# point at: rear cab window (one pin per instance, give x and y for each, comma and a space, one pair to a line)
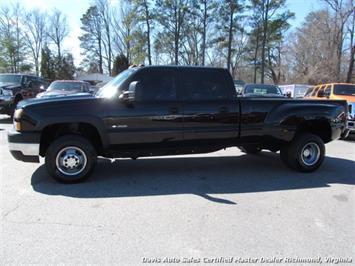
204, 85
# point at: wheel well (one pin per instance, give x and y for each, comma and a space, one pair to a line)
18, 98
320, 128
52, 132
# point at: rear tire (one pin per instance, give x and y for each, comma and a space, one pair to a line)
304, 154
70, 159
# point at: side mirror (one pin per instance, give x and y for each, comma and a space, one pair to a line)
42, 89
288, 94
129, 95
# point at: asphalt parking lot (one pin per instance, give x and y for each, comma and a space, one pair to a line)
199, 208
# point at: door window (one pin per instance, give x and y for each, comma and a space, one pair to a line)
315, 91
327, 91
320, 91
203, 85
309, 92
156, 85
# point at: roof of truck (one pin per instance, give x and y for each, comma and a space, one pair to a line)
178, 66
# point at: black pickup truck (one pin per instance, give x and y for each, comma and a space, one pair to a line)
17, 87
168, 110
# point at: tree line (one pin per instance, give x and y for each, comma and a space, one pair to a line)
31, 41
251, 38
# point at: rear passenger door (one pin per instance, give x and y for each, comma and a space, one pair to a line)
210, 107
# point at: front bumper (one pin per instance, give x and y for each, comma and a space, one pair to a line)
24, 146
351, 118
351, 126
6, 102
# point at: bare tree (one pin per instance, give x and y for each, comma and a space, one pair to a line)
351, 29
35, 34
145, 14
58, 29
239, 48
171, 16
123, 26
342, 10
92, 40
310, 50
12, 48
204, 10
104, 11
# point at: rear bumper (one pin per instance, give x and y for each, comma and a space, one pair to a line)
24, 146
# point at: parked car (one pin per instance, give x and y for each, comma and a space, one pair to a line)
295, 90
265, 90
239, 85
66, 87
93, 89
336, 91
166, 110
16, 87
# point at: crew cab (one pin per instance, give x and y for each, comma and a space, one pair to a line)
17, 87
169, 110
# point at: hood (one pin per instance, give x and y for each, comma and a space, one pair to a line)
8, 85
66, 99
60, 93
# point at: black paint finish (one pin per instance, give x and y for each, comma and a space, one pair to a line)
181, 123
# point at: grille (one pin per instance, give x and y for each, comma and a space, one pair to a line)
351, 110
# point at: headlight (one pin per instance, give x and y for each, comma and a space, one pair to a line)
18, 113
7, 92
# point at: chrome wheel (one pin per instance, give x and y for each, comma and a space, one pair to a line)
71, 161
310, 154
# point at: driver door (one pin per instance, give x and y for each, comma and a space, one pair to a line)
154, 119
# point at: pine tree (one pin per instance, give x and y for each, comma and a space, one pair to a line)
47, 64
119, 64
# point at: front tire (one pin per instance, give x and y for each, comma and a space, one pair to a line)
70, 159
304, 154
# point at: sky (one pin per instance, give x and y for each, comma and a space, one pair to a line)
74, 9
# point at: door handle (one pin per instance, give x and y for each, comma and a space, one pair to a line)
174, 110
223, 109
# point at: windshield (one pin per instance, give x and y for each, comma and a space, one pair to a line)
262, 89
10, 78
110, 89
65, 86
344, 89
